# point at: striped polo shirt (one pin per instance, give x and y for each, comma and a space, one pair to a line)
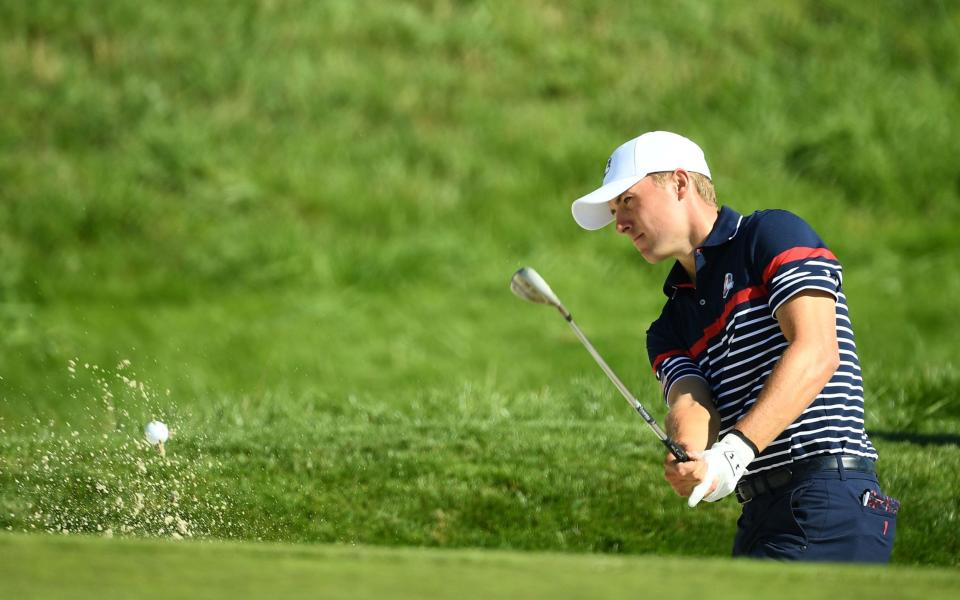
724, 330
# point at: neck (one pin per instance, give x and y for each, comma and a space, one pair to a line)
689, 265
702, 220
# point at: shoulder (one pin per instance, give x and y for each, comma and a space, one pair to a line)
773, 221
668, 327
777, 230
664, 321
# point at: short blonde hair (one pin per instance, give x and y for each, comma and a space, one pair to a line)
701, 182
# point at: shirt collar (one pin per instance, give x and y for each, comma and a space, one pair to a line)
724, 229
677, 279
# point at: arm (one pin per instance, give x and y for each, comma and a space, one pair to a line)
693, 421
808, 321
803, 278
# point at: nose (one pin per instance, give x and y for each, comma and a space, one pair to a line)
623, 226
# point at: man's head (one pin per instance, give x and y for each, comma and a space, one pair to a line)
657, 188
654, 152
661, 212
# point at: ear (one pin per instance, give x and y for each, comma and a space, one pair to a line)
682, 179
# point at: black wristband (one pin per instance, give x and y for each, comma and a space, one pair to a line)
746, 441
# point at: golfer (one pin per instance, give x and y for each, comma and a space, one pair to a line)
755, 353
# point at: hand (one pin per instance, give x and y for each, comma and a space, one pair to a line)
726, 462
684, 476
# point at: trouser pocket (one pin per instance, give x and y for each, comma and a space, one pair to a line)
846, 520
820, 519
878, 524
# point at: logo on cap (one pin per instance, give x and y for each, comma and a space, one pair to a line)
607, 169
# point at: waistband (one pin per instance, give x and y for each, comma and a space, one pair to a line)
769, 481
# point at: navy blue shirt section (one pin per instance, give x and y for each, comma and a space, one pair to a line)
724, 330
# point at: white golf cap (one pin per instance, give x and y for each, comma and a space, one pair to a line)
652, 152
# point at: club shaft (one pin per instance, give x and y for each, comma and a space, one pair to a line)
669, 443
616, 381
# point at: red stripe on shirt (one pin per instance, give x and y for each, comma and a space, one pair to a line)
717, 326
797, 253
793, 254
662, 357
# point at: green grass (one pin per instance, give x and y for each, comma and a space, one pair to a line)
298, 220
93, 568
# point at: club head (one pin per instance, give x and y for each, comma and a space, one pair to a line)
530, 286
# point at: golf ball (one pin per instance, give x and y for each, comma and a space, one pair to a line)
156, 432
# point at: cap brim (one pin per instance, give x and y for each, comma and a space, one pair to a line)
591, 211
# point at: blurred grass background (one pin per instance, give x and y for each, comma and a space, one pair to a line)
300, 218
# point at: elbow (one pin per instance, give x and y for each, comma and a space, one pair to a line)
829, 360
834, 354
820, 360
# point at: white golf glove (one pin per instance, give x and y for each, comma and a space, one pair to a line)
726, 461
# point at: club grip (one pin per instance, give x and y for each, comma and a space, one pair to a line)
676, 450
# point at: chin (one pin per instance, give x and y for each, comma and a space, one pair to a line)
651, 257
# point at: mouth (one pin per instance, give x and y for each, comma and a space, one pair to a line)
637, 237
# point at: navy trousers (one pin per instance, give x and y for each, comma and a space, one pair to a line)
822, 517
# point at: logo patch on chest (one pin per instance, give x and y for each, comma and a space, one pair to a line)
727, 284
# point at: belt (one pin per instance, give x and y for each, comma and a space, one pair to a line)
769, 481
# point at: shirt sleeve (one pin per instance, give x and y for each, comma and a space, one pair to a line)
669, 357
793, 258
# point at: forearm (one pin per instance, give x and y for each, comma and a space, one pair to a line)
802, 371
692, 421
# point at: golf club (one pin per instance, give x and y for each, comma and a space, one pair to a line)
530, 286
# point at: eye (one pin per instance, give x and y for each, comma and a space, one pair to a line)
626, 201
613, 211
